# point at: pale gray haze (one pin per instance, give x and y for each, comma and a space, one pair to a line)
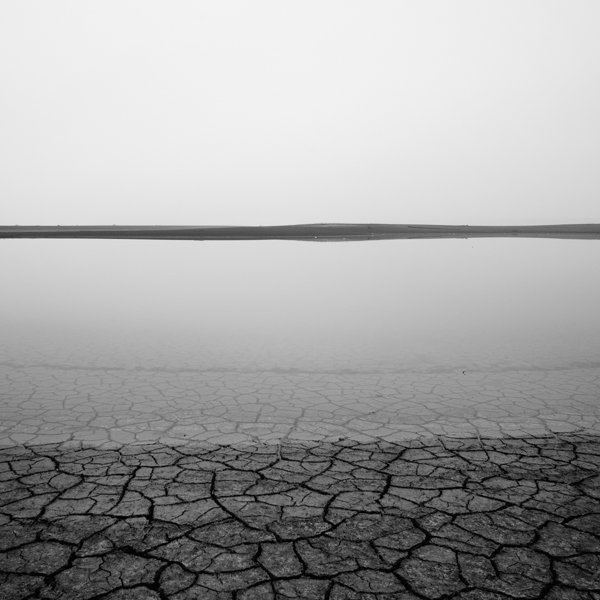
269, 112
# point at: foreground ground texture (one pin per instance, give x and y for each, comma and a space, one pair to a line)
471, 519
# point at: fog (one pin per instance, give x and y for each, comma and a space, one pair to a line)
422, 295
235, 113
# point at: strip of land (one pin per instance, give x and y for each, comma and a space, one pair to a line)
319, 232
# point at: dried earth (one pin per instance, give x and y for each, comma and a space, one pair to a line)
136, 473
471, 519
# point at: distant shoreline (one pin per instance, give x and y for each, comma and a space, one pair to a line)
318, 232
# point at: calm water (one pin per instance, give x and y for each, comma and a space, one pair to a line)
130, 341
137, 387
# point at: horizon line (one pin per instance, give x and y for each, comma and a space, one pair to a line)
320, 232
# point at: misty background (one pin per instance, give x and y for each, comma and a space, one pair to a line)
266, 113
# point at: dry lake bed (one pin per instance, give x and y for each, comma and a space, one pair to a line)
132, 472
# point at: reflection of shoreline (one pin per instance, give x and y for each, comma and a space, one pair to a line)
326, 232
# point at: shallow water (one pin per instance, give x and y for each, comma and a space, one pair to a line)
110, 389
117, 342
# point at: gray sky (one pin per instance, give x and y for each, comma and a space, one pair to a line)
269, 112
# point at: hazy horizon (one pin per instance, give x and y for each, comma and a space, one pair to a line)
270, 113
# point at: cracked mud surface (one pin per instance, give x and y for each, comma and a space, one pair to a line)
484, 519
110, 407
137, 473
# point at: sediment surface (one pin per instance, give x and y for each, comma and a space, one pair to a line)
109, 407
446, 518
139, 475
